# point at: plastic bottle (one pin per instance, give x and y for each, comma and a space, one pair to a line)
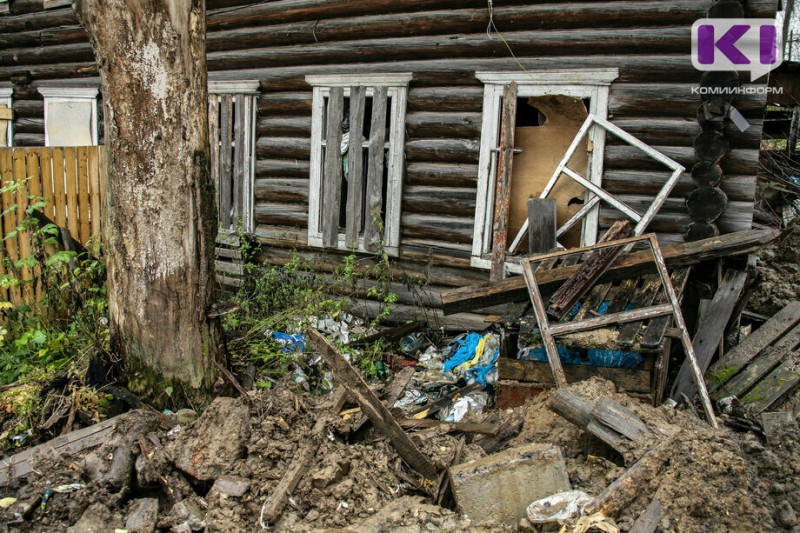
411, 342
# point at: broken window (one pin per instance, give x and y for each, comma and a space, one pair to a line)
357, 142
549, 109
232, 133
6, 116
70, 116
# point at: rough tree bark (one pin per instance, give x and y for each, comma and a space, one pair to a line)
160, 210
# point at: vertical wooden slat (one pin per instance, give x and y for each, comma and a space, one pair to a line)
23, 237
332, 172
502, 195
225, 161
35, 191
375, 159
70, 170
213, 138
355, 167
59, 190
9, 222
94, 191
46, 168
101, 161
240, 160
83, 193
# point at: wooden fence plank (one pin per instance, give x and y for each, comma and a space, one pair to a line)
377, 140
101, 160
5, 222
226, 134
46, 168
83, 194
95, 214
59, 190
70, 169
355, 167
240, 160
23, 237
35, 191
332, 171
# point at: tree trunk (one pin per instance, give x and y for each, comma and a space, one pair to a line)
161, 219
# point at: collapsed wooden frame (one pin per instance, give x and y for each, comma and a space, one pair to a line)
595, 193
672, 308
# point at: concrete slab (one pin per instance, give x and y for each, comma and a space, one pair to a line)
501, 486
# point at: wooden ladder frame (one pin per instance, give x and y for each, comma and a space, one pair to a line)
595, 193
548, 331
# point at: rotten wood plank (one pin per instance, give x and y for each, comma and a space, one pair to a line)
589, 271
542, 225
653, 335
635, 263
372, 406
355, 167
649, 519
711, 330
502, 196
464, 427
375, 162
399, 384
332, 172
629, 380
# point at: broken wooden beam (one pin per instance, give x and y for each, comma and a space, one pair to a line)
483, 428
634, 263
711, 331
398, 387
371, 405
589, 271
502, 193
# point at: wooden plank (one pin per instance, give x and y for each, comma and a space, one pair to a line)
35, 191
483, 428
629, 380
240, 163
83, 195
213, 138
544, 329
589, 271
93, 171
9, 222
332, 171
101, 158
380, 416
396, 390
355, 167
46, 168
225, 161
740, 356
653, 335
775, 386
592, 301
712, 328
23, 237
619, 418
59, 190
542, 221
634, 263
502, 195
759, 366
375, 159
71, 170
649, 519
614, 318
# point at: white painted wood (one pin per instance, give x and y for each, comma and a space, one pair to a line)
582, 212
398, 79
6, 94
69, 92
233, 87
608, 197
55, 95
587, 83
397, 92
49, 4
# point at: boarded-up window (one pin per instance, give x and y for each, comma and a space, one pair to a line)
357, 142
70, 116
231, 129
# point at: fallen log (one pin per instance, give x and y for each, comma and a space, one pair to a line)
635, 263
371, 405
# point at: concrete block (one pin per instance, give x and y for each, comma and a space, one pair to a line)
501, 486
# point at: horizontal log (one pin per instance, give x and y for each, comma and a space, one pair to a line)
435, 200
285, 103
441, 174
50, 36
446, 99
50, 18
680, 131
283, 148
514, 289
673, 216
436, 124
291, 126
281, 214
737, 187
62, 53
293, 190
666, 99
28, 139
443, 150
447, 228
279, 169
439, 22
52, 71
538, 43
739, 161
433, 318
29, 125
28, 109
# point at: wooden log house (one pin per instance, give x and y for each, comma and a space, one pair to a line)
410, 91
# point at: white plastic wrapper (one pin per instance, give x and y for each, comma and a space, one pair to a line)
560, 506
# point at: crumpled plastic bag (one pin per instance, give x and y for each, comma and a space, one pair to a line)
559, 506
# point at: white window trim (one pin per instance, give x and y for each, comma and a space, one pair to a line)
233, 87
590, 83
397, 89
6, 94
71, 94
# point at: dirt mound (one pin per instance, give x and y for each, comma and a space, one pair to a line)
779, 273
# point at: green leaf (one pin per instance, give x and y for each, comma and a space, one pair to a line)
168, 391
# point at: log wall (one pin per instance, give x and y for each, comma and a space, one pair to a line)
442, 43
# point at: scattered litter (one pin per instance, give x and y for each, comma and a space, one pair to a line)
411, 343
474, 401
560, 506
290, 343
411, 397
5, 503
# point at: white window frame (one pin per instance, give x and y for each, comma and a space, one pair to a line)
6, 94
588, 83
69, 95
248, 88
397, 90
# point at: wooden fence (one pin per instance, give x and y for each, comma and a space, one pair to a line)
72, 183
